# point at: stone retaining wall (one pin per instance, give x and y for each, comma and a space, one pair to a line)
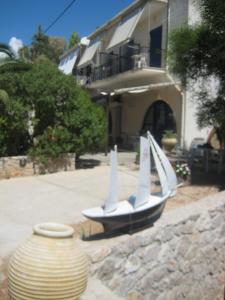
181, 257
16, 166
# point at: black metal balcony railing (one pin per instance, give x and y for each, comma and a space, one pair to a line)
137, 58
119, 64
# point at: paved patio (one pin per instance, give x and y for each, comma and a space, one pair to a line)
57, 197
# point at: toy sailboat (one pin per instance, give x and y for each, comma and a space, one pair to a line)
146, 205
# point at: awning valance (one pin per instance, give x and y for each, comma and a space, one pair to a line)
126, 28
89, 53
67, 62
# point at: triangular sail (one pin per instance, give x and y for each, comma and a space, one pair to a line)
159, 168
170, 173
144, 173
112, 200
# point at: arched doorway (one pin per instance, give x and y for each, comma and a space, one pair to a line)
159, 118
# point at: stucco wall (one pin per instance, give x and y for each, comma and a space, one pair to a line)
178, 13
181, 257
136, 106
194, 15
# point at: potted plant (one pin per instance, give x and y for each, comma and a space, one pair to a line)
183, 172
169, 140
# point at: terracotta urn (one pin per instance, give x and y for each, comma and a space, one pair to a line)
49, 265
169, 143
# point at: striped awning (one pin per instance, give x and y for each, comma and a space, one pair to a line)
67, 62
89, 53
126, 28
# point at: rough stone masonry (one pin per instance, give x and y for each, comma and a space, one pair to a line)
181, 257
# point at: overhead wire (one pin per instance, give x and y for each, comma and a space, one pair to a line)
60, 15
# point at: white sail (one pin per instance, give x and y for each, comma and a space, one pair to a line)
170, 173
144, 173
161, 172
112, 200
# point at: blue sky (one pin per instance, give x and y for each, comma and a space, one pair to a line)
20, 18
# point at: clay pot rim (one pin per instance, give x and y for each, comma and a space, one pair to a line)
54, 230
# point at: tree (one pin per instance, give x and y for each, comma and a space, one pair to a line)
43, 46
199, 52
58, 44
25, 53
65, 118
62, 117
14, 110
74, 39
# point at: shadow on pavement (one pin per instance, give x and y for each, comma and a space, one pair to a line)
87, 163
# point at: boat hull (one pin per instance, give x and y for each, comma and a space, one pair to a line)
131, 219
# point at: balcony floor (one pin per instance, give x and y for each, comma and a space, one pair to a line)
132, 78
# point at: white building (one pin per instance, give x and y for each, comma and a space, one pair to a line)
125, 63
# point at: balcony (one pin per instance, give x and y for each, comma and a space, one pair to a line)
119, 71
117, 64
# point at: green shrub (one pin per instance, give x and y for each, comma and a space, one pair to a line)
61, 115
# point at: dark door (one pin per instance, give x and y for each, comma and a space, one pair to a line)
156, 47
159, 118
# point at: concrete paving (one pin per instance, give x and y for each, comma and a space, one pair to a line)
59, 197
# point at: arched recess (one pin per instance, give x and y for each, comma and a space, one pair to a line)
158, 118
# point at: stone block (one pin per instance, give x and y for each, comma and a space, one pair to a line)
217, 221
166, 234
172, 265
185, 267
204, 223
134, 295
183, 245
107, 269
132, 265
151, 253
187, 228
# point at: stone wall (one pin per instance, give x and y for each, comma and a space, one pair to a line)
16, 166
181, 257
